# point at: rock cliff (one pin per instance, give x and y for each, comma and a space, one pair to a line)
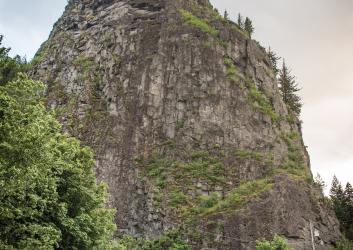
190, 131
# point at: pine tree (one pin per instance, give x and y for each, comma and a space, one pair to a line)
248, 27
240, 21
342, 203
289, 89
274, 60
319, 182
226, 15
348, 202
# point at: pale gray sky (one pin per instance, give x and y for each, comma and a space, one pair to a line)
315, 37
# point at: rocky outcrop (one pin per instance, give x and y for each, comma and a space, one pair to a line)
187, 122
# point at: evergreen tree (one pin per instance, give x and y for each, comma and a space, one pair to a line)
319, 182
9, 67
240, 21
289, 89
342, 202
226, 15
248, 27
348, 202
274, 60
49, 197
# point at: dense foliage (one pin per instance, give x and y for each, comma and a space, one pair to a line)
9, 67
278, 243
342, 202
49, 197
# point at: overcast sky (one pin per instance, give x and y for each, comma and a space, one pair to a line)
315, 37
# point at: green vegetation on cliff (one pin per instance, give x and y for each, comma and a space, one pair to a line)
342, 203
170, 241
278, 243
181, 185
49, 196
9, 67
199, 23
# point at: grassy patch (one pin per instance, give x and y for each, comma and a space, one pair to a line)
242, 154
41, 54
237, 29
199, 23
85, 63
260, 102
235, 200
179, 184
231, 70
295, 164
177, 180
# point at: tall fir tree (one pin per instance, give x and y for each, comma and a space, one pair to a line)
348, 196
342, 203
274, 60
240, 21
248, 27
289, 89
226, 15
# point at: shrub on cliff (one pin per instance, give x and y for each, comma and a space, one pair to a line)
278, 243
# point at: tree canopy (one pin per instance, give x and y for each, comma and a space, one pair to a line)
342, 202
49, 196
9, 67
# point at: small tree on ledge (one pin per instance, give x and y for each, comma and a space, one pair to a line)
248, 27
289, 89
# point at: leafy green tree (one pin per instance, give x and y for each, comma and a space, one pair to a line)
9, 67
248, 27
278, 243
49, 197
289, 89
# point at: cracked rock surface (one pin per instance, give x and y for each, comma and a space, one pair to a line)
135, 79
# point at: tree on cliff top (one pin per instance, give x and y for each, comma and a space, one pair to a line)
49, 197
248, 27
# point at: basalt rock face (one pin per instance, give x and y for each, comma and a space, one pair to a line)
189, 129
